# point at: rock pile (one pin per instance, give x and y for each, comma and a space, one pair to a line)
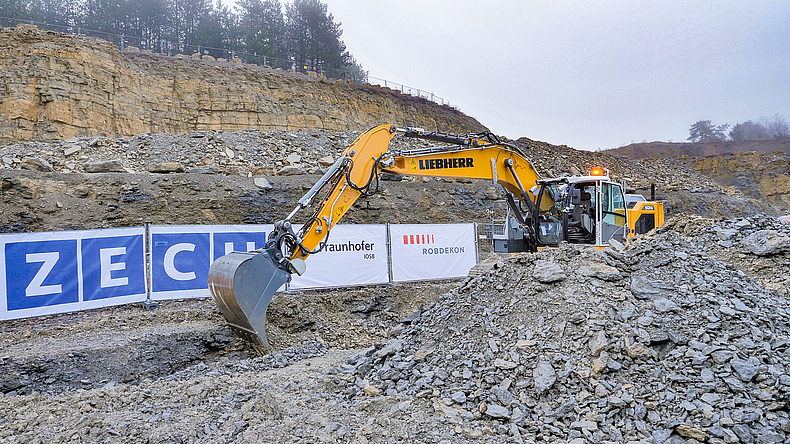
654, 342
248, 152
280, 152
757, 245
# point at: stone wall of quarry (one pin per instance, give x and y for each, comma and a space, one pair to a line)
760, 176
56, 86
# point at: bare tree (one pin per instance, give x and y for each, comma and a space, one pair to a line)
776, 126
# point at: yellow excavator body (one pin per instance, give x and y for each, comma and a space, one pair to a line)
588, 210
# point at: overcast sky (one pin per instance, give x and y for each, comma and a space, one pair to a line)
586, 73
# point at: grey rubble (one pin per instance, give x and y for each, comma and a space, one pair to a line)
758, 246
267, 152
683, 348
687, 345
234, 153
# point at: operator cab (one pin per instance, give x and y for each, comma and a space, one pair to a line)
579, 210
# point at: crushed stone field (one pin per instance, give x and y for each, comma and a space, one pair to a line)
679, 336
178, 374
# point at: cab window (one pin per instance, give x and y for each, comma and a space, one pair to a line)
613, 205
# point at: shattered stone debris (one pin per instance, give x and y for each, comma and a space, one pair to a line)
668, 345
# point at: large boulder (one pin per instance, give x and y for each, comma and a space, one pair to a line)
107, 166
766, 243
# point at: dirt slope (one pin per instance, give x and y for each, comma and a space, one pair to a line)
674, 149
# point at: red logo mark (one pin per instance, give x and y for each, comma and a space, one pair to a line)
418, 239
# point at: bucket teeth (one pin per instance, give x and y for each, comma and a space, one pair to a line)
242, 285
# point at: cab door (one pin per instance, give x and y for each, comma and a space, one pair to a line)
612, 215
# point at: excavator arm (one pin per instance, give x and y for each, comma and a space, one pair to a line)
243, 284
357, 170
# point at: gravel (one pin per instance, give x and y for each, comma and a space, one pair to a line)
667, 345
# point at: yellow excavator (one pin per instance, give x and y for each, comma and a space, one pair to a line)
588, 210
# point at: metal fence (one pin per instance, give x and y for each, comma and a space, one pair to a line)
409, 90
169, 48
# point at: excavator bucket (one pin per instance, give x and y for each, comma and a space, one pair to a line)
242, 285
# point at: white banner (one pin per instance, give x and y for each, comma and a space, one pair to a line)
181, 255
432, 251
354, 255
48, 273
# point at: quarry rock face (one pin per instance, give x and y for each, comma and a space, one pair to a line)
752, 173
681, 335
57, 86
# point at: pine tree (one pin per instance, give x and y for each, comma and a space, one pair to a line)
217, 30
314, 37
13, 9
263, 29
306, 37
102, 15
186, 16
704, 131
60, 13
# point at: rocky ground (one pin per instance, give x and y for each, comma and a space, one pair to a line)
654, 342
665, 340
679, 336
755, 245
